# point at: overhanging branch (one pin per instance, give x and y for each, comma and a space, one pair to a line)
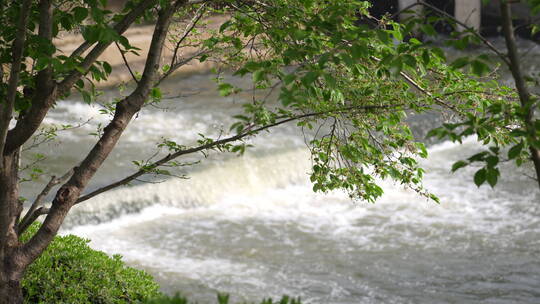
246, 133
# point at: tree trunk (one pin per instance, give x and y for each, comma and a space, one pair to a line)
11, 262
527, 103
10, 290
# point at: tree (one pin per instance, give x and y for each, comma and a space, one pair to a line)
358, 83
515, 119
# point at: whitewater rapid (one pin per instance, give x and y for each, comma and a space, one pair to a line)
252, 226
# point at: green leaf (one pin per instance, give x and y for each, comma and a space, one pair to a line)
259, 76
86, 97
492, 161
289, 78
425, 57
80, 13
155, 93
492, 176
458, 165
428, 29
359, 51
460, 62
225, 89
479, 68
309, 78
515, 150
107, 67
225, 25
480, 177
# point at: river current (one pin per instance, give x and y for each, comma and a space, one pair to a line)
252, 227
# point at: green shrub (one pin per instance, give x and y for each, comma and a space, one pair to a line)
70, 272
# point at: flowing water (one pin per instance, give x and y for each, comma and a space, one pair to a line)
251, 226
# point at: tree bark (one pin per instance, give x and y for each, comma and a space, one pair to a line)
10, 208
10, 291
68, 194
15, 256
527, 103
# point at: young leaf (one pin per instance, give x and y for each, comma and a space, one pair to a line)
480, 177
458, 165
515, 151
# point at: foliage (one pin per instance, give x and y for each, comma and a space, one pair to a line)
360, 84
354, 85
71, 272
505, 124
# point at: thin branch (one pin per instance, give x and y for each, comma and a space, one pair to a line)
32, 218
464, 25
198, 15
93, 55
423, 90
247, 132
27, 219
503, 57
178, 65
126, 63
120, 27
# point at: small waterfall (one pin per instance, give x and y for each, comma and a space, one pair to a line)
244, 175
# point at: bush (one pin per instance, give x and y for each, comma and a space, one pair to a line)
70, 272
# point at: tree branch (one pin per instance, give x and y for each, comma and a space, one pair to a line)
126, 63
32, 218
120, 27
67, 195
93, 55
189, 28
44, 85
41, 103
423, 90
30, 215
178, 65
527, 103
466, 27
6, 109
247, 132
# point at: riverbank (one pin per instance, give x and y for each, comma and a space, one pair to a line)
140, 37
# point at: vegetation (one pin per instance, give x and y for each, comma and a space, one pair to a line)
69, 271
513, 120
355, 83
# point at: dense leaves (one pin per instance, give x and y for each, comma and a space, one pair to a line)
69, 271
352, 84
357, 85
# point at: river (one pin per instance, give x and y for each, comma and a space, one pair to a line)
252, 227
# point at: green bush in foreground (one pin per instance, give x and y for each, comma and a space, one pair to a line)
70, 272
